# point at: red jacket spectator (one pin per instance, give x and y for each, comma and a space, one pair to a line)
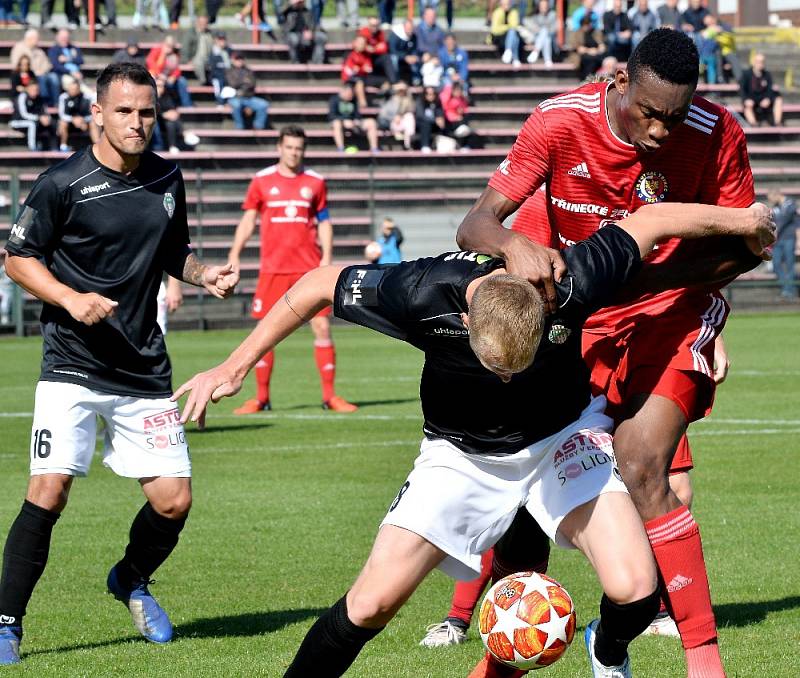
163, 59
376, 40
356, 65
454, 103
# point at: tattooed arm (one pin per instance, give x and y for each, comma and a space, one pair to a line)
218, 280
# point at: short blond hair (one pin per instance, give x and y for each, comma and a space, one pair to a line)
506, 320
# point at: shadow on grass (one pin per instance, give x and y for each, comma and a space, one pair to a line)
246, 624
747, 614
225, 428
360, 403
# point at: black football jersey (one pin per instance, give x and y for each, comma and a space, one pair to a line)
100, 231
421, 302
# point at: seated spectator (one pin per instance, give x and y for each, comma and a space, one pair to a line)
304, 36
49, 82
65, 58
708, 49
164, 59
21, 76
589, 49
607, 69
692, 20
197, 47
669, 16
430, 118
504, 31
130, 53
430, 38
643, 20
168, 133
397, 115
390, 239
31, 117
243, 83
586, 9
729, 65
762, 100
403, 52
346, 120
784, 212
617, 30
431, 71
378, 49
75, 115
541, 33
357, 70
454, 59
434, 4
219, 61
456, 113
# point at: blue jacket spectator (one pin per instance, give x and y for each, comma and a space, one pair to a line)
577, 16
643, 20
453, 57
669, 16
403, 52
430, 38
390, 239
65, 57
784, 211
693, 19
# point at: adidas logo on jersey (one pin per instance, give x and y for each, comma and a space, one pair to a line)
274, 190
679, 582
95, 189
580, 170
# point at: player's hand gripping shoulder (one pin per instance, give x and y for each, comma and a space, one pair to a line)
213, 385
89, 308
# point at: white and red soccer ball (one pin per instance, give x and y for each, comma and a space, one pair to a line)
527, 620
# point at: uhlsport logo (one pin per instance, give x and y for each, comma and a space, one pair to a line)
652, 187
169, 204
86, 190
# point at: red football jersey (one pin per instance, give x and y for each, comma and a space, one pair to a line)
290, 208
593, 177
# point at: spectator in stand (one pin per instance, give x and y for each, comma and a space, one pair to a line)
608, 68
729, 64
431, 71
403, 52
21, 76
430, 38
170, 127
49, 82
75, 115
243, 81
397, 115
65, 58
31, 117
390, 239
246, 15
164, 59
347, 13
669, 16
643, 20
708, 49
304, 36
357, 70
541, 33
378, 49
130, 53
346, 120
158, 14
618, 31
456, 113
762, 100
784, 212
219, 61
454, 59
586, 9
110, 7
434, 5
430, 118
589, 49
197, 45
386, 12
505, 33
692, 20
70, 10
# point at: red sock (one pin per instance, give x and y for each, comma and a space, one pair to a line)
263, 374
325, 357
676, 543
489, 667
466, 594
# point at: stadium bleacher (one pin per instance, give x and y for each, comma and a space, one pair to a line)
363, 187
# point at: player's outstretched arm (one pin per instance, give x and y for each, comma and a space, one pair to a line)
29, 273
482, 231
653, 223
244, 231
313, 292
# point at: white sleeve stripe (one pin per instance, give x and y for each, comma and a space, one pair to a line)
702, 128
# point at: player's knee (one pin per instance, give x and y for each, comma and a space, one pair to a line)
49, 492
371, 608
632, 581
176, 506
643, 461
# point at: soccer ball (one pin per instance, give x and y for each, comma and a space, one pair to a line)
527, 620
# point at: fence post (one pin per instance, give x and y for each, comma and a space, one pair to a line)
91, 17
18, 300
255, 19
201, 320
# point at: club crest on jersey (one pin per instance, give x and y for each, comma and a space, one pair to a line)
558, 333
306, 192
169, 204
652, 187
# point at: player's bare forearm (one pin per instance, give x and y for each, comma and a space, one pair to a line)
30, 274
325, 235
194, 271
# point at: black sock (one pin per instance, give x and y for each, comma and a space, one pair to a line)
455, 621
620, 624
24, 559
152, 539
330, 646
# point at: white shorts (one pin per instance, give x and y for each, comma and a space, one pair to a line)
463, 503
143, 436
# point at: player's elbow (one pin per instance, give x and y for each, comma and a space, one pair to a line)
14, 266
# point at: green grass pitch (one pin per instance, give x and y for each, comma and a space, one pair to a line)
287, 504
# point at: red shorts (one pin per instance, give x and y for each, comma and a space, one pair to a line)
271, 288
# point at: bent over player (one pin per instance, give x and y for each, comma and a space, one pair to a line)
484, 455
604, 150
296, 236
92, 241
